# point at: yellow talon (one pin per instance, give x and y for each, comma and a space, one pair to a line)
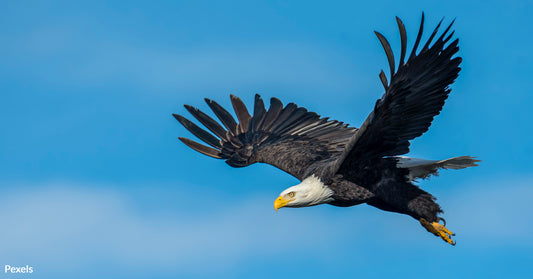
438, 230
443, 228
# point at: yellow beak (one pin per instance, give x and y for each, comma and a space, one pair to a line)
280, 202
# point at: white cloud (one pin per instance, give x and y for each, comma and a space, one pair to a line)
65, 57
230, 67
61, 224
72, 227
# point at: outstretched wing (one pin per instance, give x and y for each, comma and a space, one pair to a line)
289, 138
416, 93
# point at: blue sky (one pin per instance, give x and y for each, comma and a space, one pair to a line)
95, 183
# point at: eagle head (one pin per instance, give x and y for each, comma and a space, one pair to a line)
311, 191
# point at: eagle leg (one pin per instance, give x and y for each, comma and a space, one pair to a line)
438, 230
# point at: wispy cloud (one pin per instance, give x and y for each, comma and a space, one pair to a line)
72, 56
284, 63
68, 226
51, 226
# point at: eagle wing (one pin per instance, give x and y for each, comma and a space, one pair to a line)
287, 137
415, 95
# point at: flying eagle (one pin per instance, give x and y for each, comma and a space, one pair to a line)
342, 165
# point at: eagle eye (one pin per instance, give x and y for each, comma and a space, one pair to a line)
291, 194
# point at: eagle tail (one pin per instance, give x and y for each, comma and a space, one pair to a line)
421, 168
457, 163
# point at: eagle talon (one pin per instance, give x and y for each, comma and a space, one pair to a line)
443, 221
342, 165
438, 230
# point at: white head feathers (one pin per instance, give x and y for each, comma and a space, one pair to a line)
311, 191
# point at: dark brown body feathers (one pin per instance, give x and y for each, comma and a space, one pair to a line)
357, 164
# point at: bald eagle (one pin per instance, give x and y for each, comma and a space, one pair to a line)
342, 165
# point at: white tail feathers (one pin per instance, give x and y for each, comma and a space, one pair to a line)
420, 168
457, 163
